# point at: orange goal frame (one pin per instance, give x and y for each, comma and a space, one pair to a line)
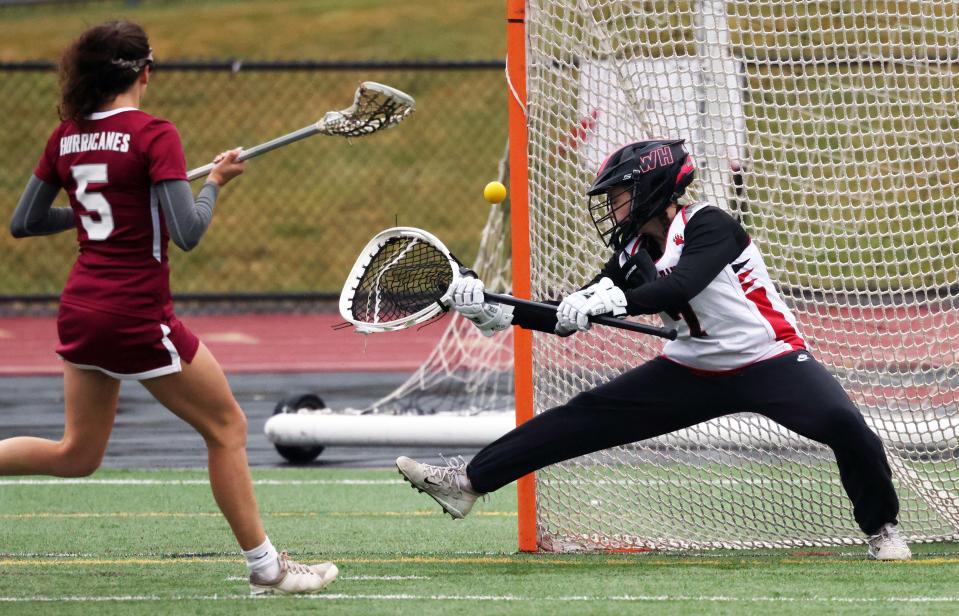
519, 223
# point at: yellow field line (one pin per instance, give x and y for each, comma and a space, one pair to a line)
439, 560
214, 514
508, 598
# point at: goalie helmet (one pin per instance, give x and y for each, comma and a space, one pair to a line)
655, 172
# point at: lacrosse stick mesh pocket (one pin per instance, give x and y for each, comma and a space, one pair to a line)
405, 276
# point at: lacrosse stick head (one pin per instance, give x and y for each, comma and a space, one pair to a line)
398, 281
375, 107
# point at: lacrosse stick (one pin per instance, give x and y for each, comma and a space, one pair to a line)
403, 273
374, 107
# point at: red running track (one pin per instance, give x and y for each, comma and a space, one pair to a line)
246, 343
901, 340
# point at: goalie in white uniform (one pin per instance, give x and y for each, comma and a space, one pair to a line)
738, 348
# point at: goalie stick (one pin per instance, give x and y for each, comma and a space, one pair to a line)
402, 275
375, 107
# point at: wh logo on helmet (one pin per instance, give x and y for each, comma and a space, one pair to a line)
657, 158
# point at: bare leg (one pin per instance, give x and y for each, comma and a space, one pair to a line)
201, 396
90, 408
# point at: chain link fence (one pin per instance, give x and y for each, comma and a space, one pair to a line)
292, 225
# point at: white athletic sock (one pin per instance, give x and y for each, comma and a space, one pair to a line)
463, 482
264, 561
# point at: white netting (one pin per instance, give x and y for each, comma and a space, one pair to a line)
831, 129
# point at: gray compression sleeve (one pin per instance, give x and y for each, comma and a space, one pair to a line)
186, 221
34, 216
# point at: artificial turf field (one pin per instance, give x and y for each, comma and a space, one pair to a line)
126, 542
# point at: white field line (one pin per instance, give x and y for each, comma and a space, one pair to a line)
198, 555
46, 555
353, 578
265, 514
364, 578
689, 482
195, 482
384, 482
493, 598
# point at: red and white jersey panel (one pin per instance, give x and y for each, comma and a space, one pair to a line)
737, 320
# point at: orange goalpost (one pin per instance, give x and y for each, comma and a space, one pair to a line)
519, 221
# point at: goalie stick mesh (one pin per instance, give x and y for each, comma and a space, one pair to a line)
405, 276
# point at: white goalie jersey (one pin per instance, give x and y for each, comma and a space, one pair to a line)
737, 320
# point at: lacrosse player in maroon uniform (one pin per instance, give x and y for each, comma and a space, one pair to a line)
125, 175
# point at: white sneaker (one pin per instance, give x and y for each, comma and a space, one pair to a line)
888, 544
442, 483
295, 578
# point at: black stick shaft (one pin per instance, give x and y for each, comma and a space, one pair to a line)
642, 328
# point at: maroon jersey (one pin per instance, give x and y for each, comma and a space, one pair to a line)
108, 165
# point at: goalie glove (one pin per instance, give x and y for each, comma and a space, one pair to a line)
574, 311
465, 296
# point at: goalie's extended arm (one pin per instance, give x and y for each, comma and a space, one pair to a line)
713, 239
596, 297
465, 296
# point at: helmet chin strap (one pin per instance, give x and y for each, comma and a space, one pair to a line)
663, 221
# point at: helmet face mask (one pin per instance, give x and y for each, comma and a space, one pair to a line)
654, 173
611, 212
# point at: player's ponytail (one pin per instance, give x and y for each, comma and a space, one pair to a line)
104, 61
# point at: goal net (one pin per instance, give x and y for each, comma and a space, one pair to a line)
830, 129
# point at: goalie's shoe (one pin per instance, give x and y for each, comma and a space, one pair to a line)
888, 544
295, 578
442, 483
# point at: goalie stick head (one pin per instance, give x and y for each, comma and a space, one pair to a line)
655, 173
398, 281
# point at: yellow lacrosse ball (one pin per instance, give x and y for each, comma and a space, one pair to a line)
494, 192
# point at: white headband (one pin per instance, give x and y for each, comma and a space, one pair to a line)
134, 65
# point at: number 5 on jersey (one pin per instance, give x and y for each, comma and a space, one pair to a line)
94, 203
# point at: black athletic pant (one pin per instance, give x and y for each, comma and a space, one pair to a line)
659, 397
